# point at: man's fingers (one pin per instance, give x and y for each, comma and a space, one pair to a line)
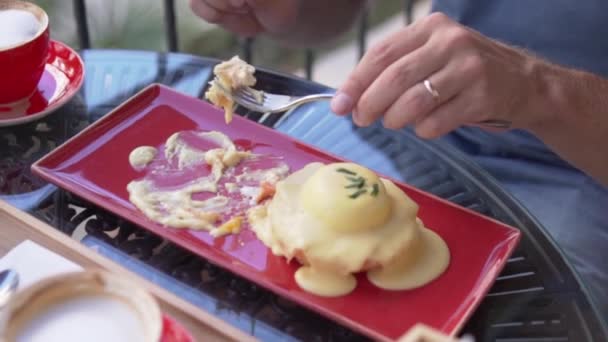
376, 60
396, 80
446, 118
382, 55
244, 25
205, 11
221, 5
411, 107
418, 101
259, 4
277, 16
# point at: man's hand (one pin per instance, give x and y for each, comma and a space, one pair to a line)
478, 79
248, 17
475, 79
296, 23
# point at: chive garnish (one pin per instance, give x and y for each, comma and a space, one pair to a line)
347, 171
358, 182
376, 190
358, 193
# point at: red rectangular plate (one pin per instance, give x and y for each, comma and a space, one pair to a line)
94, 165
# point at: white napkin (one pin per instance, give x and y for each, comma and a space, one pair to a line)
34, 262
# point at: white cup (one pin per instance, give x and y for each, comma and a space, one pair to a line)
87, 306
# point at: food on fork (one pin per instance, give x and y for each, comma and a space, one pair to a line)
340, 219
231, 75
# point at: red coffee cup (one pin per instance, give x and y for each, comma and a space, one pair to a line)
22, 62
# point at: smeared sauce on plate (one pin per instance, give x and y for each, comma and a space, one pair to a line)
186, 186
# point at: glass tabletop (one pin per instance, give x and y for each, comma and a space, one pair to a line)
537, 296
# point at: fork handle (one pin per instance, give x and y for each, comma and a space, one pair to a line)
314, 97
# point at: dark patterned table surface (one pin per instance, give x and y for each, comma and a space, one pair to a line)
536, 298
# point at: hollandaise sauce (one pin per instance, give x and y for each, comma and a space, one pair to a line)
425, 262
341, 219
326, 284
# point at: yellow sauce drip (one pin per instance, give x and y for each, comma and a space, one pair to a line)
422, 264
325, 284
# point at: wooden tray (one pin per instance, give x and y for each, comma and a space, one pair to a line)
17, 226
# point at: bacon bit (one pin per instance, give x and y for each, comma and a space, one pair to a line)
231, 226
208, 216
267, 190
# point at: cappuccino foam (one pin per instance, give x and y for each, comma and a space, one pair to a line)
75, 320
17, 26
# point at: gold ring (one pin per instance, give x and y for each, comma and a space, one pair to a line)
429, 87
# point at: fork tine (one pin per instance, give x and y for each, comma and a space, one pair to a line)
248, 102
260, 101
248, 95
277, 101
237, 96
250, 91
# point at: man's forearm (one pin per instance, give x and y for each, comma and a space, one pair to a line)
319, 22
576, 123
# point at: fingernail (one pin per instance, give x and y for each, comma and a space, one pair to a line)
356, 117
341, 103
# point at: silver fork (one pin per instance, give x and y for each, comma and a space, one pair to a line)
263, 102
